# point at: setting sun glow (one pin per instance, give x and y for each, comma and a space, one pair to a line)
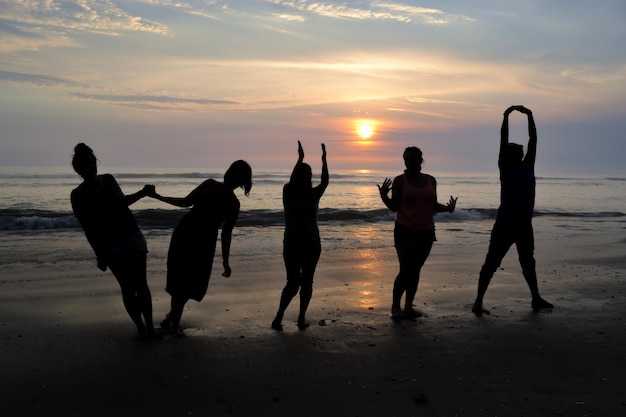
365, 129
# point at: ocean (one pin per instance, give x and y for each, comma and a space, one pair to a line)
35, 201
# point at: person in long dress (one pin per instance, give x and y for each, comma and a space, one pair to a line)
112, 231
193, 243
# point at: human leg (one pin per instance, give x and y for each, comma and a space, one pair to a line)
142, 291
404, 250
525, 250
402, 283
172, 319
422, 248
499, 245
291, 257
311, 257
122, 271
412, 248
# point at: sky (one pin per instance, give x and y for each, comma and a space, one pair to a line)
166, 83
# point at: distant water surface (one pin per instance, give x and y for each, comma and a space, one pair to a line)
35, 203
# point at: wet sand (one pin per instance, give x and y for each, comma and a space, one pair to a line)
68, 347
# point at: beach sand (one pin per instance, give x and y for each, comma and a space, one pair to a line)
69, 349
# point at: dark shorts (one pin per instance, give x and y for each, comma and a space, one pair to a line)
403, 235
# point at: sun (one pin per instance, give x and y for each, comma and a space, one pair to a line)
365, 129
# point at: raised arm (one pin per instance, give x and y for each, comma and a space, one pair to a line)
325, 176
531, 153
300, 153
504, 133
393, 202
300, 158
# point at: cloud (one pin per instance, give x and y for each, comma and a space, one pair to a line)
35, 79
377, 11
42, 20
150, 101
290, 17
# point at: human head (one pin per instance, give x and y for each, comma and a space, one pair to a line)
413, 158
239, 174
84, 161
513, 154
301, 175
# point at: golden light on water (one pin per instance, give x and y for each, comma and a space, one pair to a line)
369, 290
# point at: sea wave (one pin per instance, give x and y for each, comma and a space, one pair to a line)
33, 220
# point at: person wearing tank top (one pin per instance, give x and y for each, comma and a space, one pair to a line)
414, 200
514, 219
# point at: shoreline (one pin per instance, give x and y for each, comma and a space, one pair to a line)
68, 347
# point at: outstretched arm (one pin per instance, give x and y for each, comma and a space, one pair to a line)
148, 190
177, 201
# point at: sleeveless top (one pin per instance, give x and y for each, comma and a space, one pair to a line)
517, 193
417, 206
301, 220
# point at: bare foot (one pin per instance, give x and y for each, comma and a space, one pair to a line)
479, 310
411, 313
276, 325
540, 303
397, 313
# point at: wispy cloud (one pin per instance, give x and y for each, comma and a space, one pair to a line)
424, 100
290, 17
43, 19
376, 11
151, 101
35, 79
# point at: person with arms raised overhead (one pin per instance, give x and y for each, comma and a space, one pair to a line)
514, 219
301, 243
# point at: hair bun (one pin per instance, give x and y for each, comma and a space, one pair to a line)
82, 150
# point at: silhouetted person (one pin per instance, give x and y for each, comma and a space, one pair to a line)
414, 200
514, 219
192, 247
110, 227
301, 244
